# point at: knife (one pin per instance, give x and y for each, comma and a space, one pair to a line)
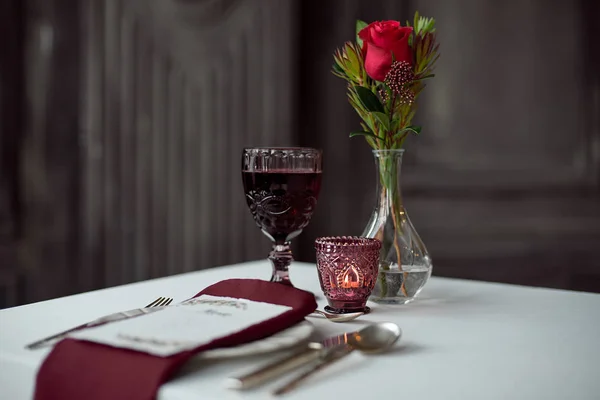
312, 352
99, 321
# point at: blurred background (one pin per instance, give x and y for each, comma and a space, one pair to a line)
122, 124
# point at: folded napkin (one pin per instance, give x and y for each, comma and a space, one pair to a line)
77, 369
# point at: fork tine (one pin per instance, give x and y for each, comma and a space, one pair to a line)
160, 302
155, 302
166, 301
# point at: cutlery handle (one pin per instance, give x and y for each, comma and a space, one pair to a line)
99, 321
276, 368
60, 335
335, 356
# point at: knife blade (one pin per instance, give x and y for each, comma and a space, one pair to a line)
49, 340
312, 352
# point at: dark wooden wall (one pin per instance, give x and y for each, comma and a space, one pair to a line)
12, 106
122, 123
126, 120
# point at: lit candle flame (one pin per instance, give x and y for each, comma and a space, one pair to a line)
351, 283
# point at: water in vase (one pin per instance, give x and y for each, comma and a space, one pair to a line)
400, 286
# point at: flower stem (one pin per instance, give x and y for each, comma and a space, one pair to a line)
392, 200
396, 214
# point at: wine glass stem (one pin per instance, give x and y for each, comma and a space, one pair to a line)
281, 258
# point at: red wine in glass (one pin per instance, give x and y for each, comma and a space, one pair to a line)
282, 188
282, 202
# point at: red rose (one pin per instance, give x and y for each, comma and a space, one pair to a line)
380, 41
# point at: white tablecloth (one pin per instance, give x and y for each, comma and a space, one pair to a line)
461, 340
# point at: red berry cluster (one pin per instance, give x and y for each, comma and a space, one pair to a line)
399, 75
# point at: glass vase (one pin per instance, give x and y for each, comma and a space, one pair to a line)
404, 263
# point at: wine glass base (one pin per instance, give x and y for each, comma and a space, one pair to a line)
289, 283
286, 282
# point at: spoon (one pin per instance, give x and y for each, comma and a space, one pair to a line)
339, 317
374, 338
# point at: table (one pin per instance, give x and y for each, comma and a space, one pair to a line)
461, 340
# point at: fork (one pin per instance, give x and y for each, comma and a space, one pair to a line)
160, 302
153, 306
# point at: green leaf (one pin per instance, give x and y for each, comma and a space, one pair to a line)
360, 25
424, 77
402, 133
383, 119
389, 94
413, 128
416, 22
368, 99
336, 67
353, 60
411, 115
364, 133
430, 25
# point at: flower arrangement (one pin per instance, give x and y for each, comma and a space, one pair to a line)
386, 68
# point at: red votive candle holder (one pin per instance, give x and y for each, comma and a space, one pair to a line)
348, 267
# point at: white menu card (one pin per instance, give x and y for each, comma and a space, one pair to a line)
183, 326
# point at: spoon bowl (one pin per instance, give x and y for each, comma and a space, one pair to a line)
375, 338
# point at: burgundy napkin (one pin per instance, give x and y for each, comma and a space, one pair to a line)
79, 370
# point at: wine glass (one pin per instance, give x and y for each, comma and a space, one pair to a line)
282, 186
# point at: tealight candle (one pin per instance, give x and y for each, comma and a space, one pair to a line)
351, 278
348, 267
